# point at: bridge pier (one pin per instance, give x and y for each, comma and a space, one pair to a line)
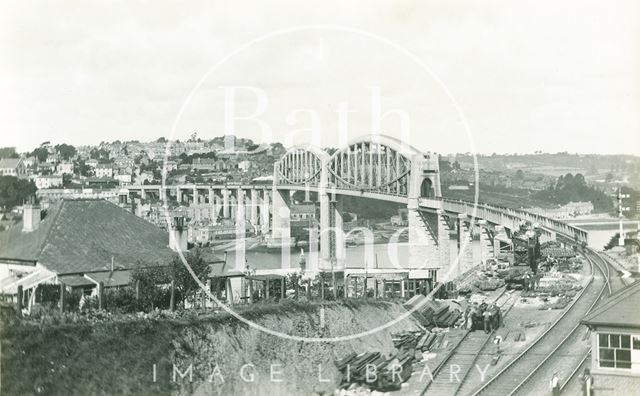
444, 250
240, 232
225, 203
499, 238
486, 247
465, 253
264, 213
254, 207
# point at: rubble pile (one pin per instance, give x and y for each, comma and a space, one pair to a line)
488, 281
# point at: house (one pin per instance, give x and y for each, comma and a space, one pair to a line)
30, 162
92, 162
123, 178
13, 167
245, 165
144, 176
104, 171
78, 243
64, 168
615, 342
303, 211
48, 181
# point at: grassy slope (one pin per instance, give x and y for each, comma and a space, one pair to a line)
117, 357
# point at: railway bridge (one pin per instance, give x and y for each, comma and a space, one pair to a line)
375, 167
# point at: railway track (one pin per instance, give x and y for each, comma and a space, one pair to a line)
463, 357
615, 283
528, 364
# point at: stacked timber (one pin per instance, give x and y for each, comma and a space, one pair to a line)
375, 370
433, 313
421, 341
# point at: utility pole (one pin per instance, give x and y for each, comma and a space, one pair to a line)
621, 209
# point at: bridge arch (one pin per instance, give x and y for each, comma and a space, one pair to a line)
376, 163
301, 164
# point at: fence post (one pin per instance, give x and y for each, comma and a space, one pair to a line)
63, 290
282, 286
172, 302
101, 295
19, 297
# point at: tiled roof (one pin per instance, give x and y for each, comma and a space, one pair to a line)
619, 310
9, 163
79, 236
110, 279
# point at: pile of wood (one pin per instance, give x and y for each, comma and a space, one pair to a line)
433, 313
420, 341
375, 370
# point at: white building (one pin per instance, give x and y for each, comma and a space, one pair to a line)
64, 168
48, 181
104, 171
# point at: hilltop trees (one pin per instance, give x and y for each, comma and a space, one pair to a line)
574, 188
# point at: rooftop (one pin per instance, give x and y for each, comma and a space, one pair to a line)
9, 163
619, 310
80, 236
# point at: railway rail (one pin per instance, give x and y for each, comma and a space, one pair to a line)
524, 366
463, 356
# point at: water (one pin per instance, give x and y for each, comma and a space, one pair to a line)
377, 256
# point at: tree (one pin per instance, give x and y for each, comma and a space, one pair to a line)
41, 153
185, 285
66, 151
14, 191
8, 152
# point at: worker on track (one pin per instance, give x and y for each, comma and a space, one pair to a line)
554, 384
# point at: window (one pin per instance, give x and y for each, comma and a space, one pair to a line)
614, 350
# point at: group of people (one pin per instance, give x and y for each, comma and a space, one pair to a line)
586, 381
482, 316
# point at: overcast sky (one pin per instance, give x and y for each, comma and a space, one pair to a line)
527, 75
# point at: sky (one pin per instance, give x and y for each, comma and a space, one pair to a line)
446, 75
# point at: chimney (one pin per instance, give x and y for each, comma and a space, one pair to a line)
178, 235
30, 215
123, 197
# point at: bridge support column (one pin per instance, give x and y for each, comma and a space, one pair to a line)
225, 203
499, 236
240, 232
443, 247
178, 197
486, 247
233, 206
264, 213
422, 245
281, 230
196, 199
254, 207
465, 253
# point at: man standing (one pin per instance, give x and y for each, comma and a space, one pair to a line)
555, 384
587, 383
487, 321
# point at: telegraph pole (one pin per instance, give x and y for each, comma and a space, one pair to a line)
621, 209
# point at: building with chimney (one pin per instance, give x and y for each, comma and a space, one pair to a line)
75, 242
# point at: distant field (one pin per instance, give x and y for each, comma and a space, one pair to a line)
510, 200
